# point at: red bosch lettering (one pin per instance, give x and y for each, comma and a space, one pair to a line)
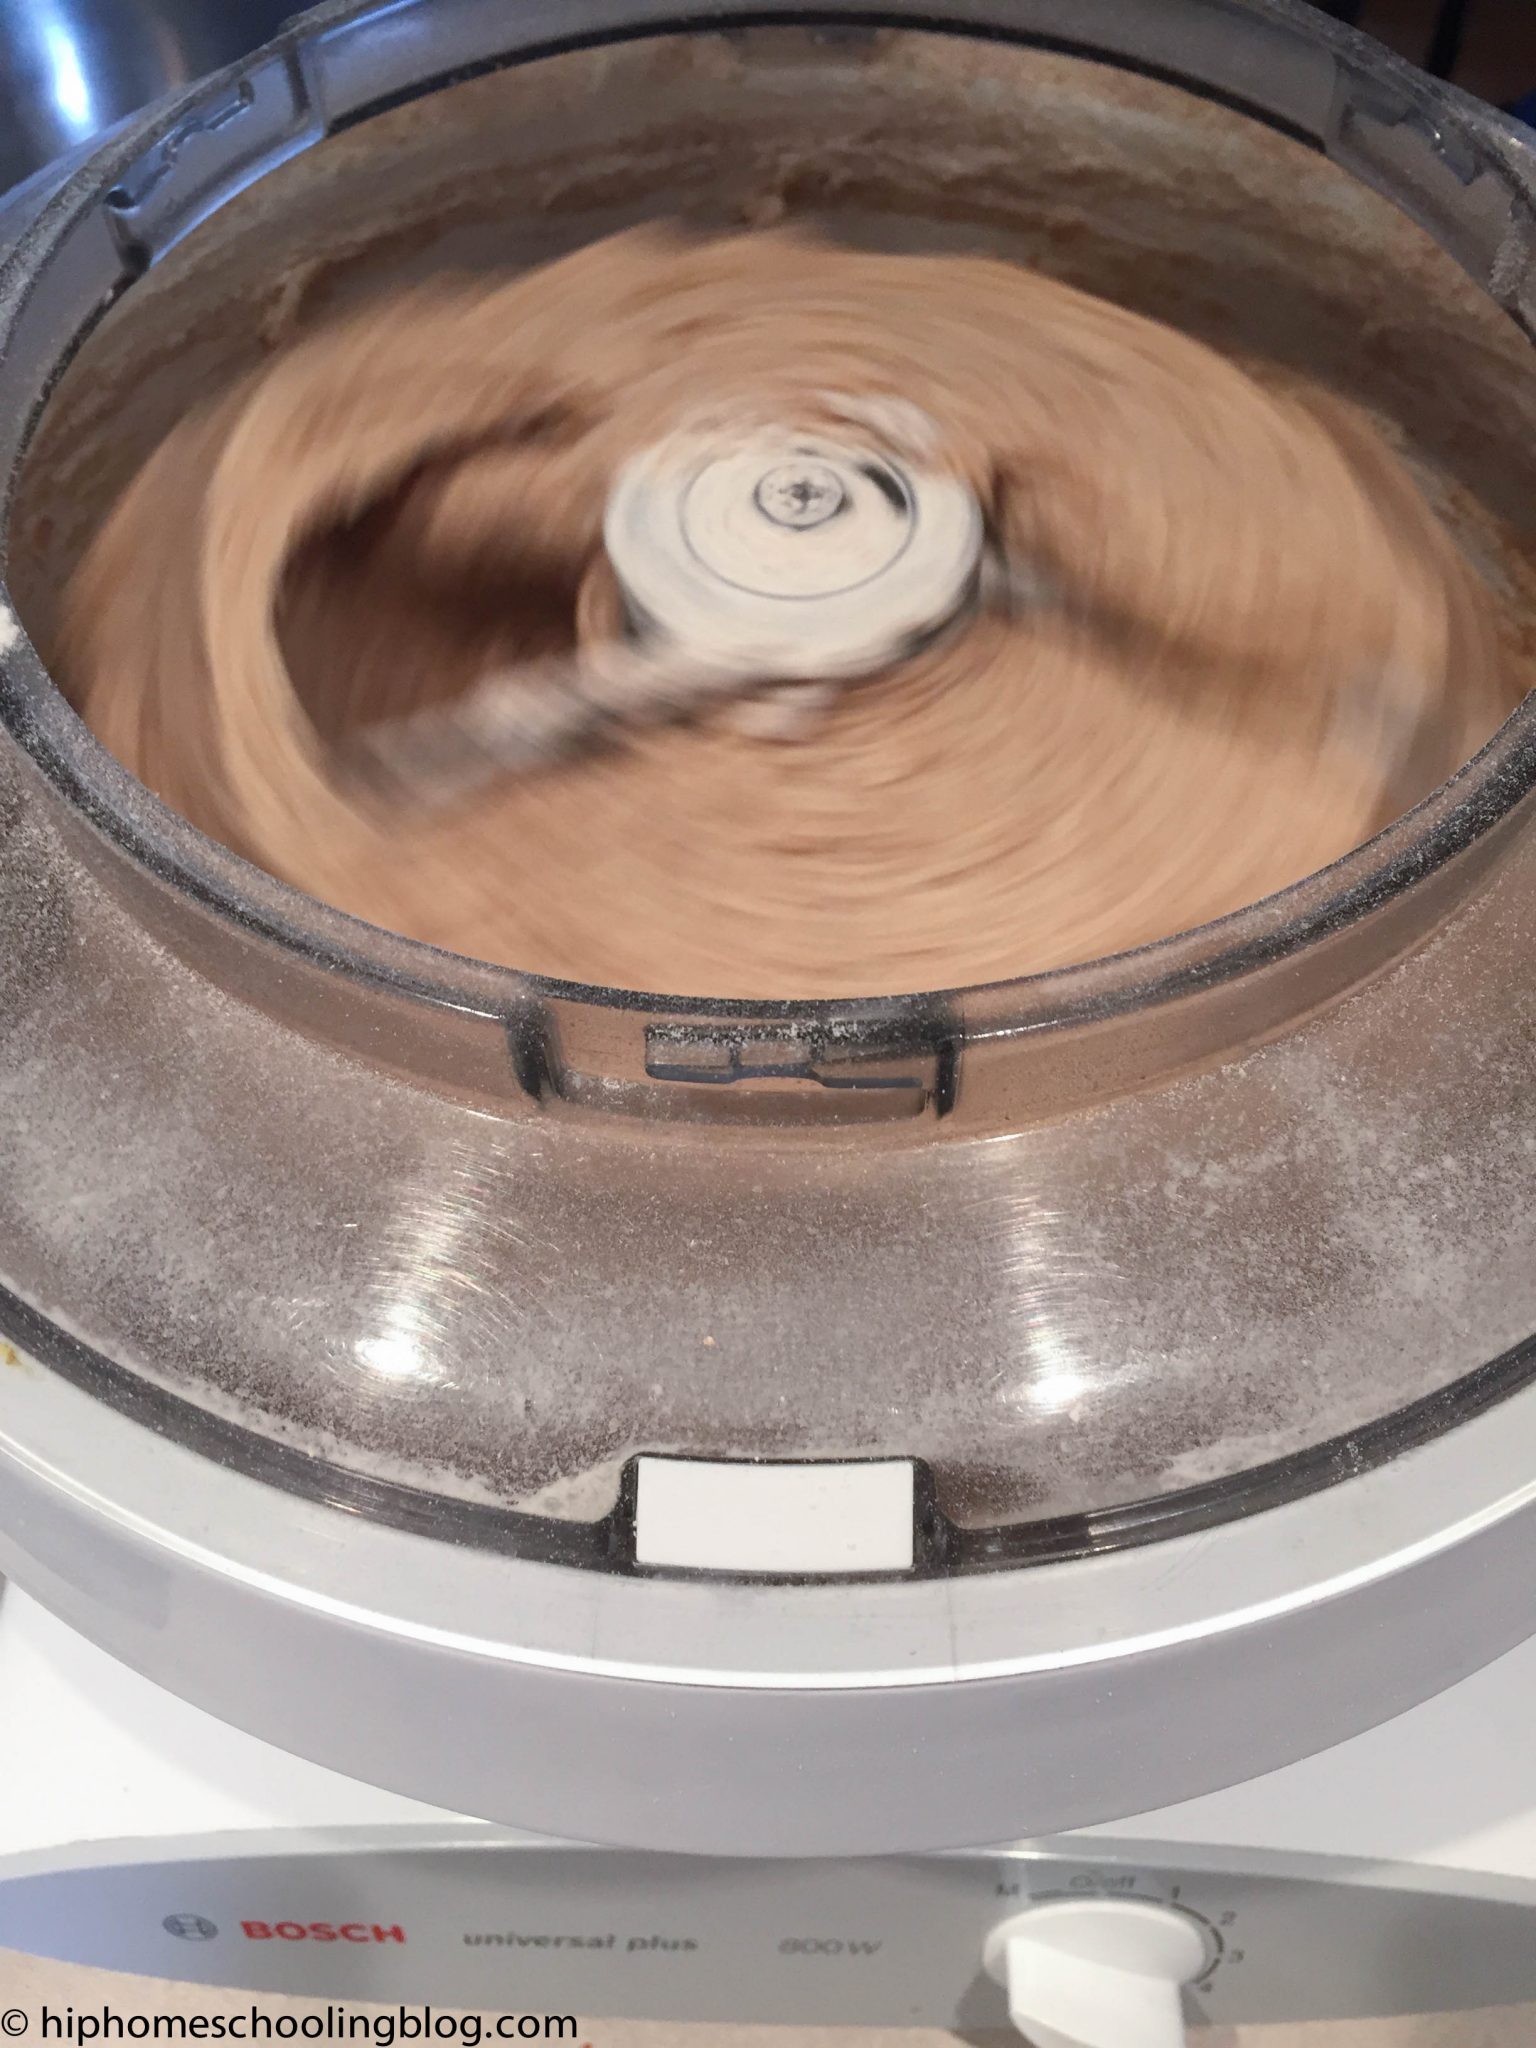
318, 1930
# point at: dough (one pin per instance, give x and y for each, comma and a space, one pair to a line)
1260, 644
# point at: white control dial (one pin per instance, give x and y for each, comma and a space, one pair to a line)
1097, 1973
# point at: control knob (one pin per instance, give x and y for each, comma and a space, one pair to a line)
1097, 1973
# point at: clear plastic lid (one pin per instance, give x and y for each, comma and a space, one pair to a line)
1152, 1240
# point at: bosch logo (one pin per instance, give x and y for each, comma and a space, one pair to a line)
318, 1930
189, 1927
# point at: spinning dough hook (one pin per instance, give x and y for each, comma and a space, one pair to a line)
760, 568
766, 564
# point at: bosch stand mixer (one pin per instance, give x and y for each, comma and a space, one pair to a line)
779, 1431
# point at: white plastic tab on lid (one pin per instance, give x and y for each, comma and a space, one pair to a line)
695, 1515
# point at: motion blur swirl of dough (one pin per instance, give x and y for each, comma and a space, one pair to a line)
1259, 645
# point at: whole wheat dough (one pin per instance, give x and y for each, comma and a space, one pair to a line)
1263, 644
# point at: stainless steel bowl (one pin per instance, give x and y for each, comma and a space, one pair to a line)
71, 69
